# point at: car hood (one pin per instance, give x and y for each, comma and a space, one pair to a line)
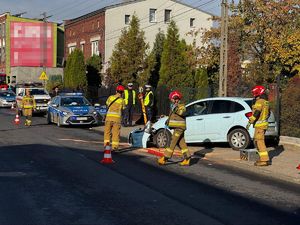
78, 110
10, 98
159, 124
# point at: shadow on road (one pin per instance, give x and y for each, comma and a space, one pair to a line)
276, 152
64, 170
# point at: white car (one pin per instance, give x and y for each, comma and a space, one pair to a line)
210, 120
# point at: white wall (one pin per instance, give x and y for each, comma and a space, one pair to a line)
181, 14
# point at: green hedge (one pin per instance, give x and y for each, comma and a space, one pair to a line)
290, 109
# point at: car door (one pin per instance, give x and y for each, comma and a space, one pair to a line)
55, 109
219, 120
195, 117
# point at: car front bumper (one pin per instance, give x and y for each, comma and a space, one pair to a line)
79, 120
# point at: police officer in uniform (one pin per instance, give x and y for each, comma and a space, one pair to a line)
149, 102
28, 105
259, 119
130, 99
177, 122
115, 105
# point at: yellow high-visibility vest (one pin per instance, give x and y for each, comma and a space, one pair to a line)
147, 99
126, 95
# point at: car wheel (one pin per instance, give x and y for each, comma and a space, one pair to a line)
162, 138
238, 139
48, 118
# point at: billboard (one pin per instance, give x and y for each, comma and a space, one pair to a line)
32, 44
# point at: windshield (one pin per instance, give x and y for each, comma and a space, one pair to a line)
38, 92
7, 94
74, 101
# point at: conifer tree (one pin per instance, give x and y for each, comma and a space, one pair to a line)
174, 70
75, 71
128, 59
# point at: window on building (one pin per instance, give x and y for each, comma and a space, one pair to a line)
82, 47
152, 16
127, 19
95, 48
192, 22
71, 49
167, 15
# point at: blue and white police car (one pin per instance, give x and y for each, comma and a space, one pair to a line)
72, 109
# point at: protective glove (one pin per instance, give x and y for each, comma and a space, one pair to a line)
248, 126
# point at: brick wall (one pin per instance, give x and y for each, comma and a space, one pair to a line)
82, 30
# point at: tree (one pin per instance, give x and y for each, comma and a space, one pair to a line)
128, 59
174, 70
201, 83
93, 67
154, 62
75, 71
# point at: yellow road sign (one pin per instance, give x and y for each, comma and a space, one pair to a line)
43, 76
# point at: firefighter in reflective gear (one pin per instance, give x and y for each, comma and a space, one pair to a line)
177, 122
149, 102
115, 105
129, 99
259, 119
28, 105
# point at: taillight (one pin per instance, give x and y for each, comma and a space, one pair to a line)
248, 115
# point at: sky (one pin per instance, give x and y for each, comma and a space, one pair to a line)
60, 10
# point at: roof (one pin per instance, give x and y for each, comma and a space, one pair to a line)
122, 4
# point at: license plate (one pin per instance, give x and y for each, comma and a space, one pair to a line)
82, 118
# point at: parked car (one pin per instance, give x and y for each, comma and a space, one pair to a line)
40, 94
71, 109
7, 98
210, 120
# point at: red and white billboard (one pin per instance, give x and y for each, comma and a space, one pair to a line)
29, 46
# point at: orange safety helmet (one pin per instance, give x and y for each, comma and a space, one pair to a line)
258, 90
175, 94
120, 88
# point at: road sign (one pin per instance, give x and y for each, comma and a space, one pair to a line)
43, 76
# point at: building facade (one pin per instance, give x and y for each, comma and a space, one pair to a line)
86, 33
29, 47
105, 25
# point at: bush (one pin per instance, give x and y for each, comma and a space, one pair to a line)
290, 113
54, 81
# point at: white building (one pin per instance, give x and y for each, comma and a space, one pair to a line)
99, 31
154, 15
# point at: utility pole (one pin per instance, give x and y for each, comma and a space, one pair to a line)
223, 49
44, 43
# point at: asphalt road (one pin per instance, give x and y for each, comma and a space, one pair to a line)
51, 175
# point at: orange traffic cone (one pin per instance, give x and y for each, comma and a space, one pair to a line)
107, 159
17, 120
298, 167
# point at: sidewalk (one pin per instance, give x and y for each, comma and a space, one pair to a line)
285, 157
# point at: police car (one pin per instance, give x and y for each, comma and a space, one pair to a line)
71, 109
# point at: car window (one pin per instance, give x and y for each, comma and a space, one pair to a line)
250, 102
236, 107
197, 109
221, 106
74, 101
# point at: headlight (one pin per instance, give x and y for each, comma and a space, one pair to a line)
95, 113
64, 113
148, 127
